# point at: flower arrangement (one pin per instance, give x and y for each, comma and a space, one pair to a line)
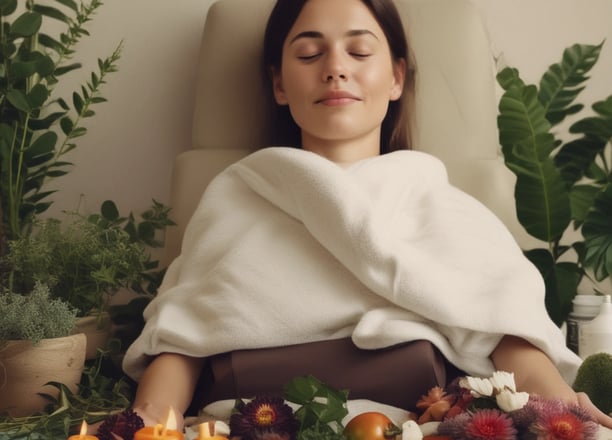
470, 408
491, 408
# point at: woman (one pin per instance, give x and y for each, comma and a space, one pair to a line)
341, 69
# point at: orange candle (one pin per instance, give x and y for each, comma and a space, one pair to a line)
83, 435
158, 432
167, 431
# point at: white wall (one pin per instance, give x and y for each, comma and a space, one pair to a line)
128, 152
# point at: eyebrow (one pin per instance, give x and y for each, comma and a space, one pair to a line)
316, 34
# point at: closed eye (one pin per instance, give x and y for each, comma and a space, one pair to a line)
360, 55
309, 57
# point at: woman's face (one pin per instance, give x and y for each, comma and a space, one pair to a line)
338, 76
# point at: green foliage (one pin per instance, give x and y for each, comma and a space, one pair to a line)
101, 393
321, 410
144, 231
560, 185
83, 260
34, 316
31, 65
594, 377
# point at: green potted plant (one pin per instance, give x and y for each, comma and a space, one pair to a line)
86, 260
563, 194
82, 263
37, 346
32, 63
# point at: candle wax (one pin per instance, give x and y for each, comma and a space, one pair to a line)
83, 435
205, 434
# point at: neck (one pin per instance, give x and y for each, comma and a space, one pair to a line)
343, 152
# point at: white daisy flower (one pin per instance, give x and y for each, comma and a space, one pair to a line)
508, 400
479, 387
502, 380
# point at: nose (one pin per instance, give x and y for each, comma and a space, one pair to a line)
334, 68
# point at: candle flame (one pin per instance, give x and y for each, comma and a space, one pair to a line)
170, 420
83, 429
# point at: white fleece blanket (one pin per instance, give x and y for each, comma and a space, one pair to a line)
287, 247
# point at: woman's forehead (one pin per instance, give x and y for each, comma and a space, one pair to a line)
335, 17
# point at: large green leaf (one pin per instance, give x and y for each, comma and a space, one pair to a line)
582, 197
562, 82
575, 157
597, 232
541, 195
561, 280
543, 203
597, 127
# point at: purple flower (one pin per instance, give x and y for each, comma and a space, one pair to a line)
454, 427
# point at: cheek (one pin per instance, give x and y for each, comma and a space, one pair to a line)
380, 81
294, 80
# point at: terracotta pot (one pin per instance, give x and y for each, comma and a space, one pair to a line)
26, 368
97, 330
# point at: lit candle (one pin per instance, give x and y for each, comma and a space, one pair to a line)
204, 432
83, 435
167, 431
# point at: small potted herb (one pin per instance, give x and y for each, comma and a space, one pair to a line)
37, 347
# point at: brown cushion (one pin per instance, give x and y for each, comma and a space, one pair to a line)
397, 376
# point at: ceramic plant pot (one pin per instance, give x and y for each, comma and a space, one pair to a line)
97, 330
26, 368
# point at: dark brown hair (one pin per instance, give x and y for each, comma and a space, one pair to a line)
395, 130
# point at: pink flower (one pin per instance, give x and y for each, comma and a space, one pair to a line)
490, 424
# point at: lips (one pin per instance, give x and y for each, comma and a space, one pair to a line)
337, 97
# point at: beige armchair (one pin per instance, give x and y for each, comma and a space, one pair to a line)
456, 110
456, 104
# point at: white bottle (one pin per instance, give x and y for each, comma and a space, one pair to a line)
596, 335
585, 307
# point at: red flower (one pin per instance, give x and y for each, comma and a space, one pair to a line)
562, 426
490, 424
